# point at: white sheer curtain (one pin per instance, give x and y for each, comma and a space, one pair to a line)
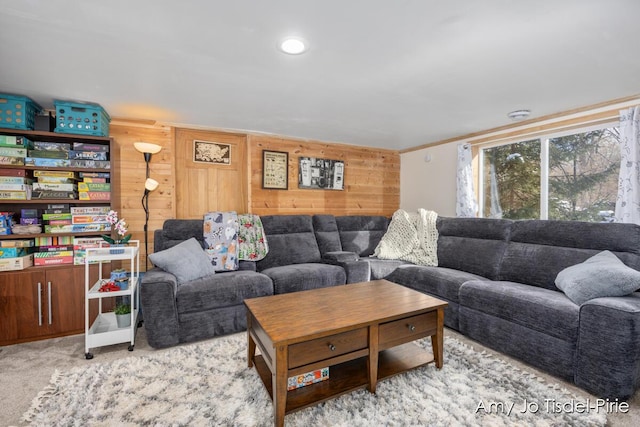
628, 201
496, 209
466, 204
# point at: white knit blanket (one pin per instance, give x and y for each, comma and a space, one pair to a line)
411, 237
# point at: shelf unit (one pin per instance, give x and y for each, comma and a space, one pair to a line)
104, 329
56, 289
13, 205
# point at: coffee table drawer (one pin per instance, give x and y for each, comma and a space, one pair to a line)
327, 347
407, 329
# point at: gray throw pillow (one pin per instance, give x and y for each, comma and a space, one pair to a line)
187, 261
602, 275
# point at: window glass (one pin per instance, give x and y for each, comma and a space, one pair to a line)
582, 184
512, 181
583, 175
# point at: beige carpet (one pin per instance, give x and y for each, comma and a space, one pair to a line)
26, 369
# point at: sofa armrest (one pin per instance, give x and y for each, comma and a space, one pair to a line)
160, 313
608, 351
356, 270
247, 265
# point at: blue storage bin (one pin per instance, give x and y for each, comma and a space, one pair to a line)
18, 112
81, 118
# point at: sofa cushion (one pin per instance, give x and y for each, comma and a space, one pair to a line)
361, 233
175, 231
381, 268
474, 245
557, 245
540, 309
291, 241
436, 281
187, 261
327, 235
602, 275
340, 256
615, 237
300, 277
222, 290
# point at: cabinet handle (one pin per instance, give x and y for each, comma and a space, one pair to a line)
49, 299
332, 347
39, 304
411, 327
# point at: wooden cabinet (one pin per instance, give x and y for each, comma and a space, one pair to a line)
39, 303
20, 306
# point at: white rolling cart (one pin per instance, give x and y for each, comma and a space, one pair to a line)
104, 330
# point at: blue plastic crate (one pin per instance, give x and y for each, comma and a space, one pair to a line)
81, 118
18, 112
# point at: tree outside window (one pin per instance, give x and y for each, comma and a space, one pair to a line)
512, 180
582, 177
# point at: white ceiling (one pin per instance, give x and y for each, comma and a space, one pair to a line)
380, 73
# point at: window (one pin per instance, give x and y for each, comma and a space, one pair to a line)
512, 180
569, 176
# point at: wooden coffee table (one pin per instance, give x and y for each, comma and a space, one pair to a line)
361, 331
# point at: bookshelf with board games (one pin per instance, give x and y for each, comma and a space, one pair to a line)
55, 191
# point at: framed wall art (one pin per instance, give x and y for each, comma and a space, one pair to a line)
320, 173
275, 170
215, 153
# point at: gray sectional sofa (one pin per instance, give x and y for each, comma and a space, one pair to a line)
498, 277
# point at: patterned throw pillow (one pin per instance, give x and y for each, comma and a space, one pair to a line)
221, 239
252, 243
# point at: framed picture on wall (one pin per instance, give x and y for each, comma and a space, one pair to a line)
322, 174
275, 170
215, 153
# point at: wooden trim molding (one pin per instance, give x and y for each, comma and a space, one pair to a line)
559, 121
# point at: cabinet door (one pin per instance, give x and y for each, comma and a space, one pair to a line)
68, 297
42, 303
22, 306
65, 300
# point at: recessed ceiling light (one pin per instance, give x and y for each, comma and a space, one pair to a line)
292, 46
519, 115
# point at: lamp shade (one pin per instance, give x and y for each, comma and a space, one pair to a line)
150, 184
147, 147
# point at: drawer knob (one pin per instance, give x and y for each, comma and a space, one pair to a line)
411, 327
332, 347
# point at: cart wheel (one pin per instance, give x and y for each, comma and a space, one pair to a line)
139, 323
88, 356
130, 347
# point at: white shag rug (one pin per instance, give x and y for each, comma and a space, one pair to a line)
209, 384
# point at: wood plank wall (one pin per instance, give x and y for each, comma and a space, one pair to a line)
371, 180
132, 174
188, 189
205, 187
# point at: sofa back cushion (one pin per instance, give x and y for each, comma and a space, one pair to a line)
474, 245
175, 231
291, 240
327, 236
540, 249
361, 233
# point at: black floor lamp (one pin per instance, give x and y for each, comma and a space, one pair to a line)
149, 185
148, 149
